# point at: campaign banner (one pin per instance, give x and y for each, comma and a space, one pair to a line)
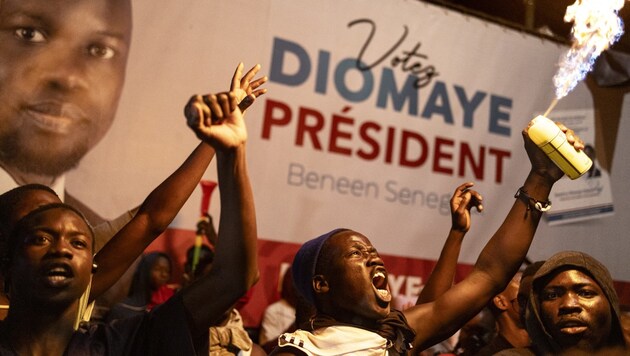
375, 112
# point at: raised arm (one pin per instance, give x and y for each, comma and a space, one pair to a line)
498, 261
164, 202
441, 278
152, 218
235, 267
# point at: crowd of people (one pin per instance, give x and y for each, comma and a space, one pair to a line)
57, 256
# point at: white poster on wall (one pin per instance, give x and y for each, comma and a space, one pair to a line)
589, 196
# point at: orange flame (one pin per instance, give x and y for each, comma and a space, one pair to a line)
596, 26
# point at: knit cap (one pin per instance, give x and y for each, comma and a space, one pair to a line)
305, 262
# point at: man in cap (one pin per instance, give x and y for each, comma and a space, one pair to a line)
343, 276
573, 307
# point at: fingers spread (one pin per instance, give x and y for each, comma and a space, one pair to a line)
258, 82
249, 75
236, 78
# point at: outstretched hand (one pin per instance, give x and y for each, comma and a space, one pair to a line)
218, 119
463, 200
244, 88
542, 165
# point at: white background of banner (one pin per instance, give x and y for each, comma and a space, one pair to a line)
184, 47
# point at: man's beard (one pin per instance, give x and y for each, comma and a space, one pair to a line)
17, 156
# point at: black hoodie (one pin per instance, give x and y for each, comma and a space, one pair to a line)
541, 339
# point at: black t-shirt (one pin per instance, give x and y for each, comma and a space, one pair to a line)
163, 331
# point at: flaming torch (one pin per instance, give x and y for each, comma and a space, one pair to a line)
207, 187
596, 26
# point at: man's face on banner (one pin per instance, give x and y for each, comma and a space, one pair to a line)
62, 68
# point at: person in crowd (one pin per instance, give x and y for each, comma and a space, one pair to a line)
342, 275
475, 334
511, 333
228, 336
49, 264
279, 316
62, 70
154, 214
440, 280
149, 287
14, 204
205, 258
573, 307
205, 228
525, 287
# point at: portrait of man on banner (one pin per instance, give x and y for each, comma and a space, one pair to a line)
62, 69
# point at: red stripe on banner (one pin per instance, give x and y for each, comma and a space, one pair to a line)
406, 275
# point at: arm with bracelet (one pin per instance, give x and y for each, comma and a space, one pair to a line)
541, 206
499, 259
